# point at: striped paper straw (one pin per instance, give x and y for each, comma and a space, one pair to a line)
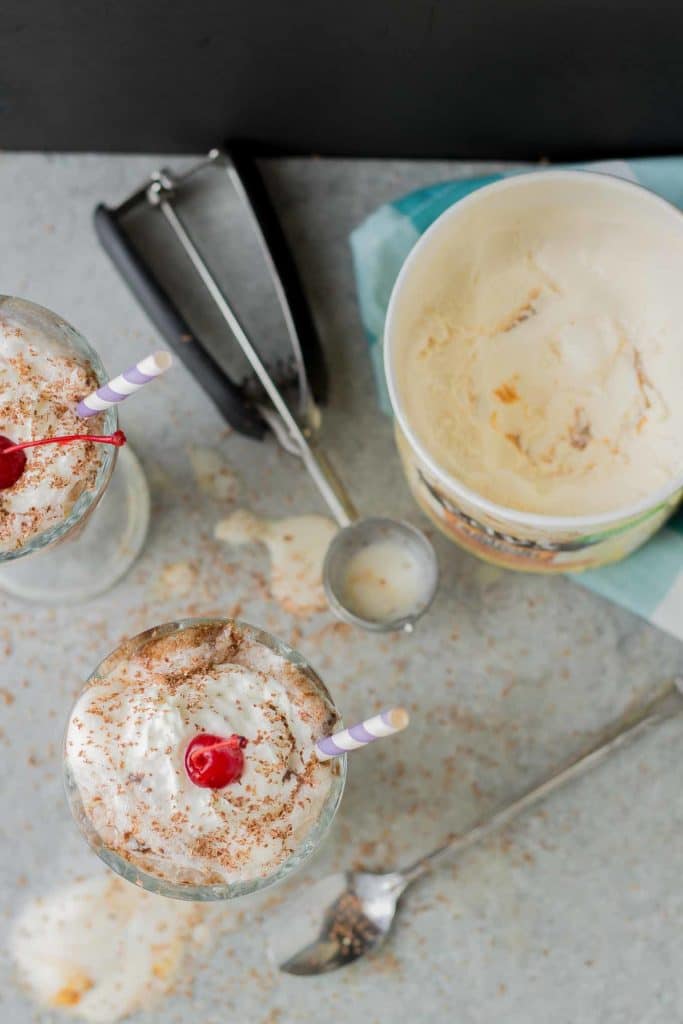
127, 383
386, 723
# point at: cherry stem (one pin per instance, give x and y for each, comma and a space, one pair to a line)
218, 746
118, 438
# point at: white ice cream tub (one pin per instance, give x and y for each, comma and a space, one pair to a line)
524, 540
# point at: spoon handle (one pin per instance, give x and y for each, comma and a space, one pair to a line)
621, 732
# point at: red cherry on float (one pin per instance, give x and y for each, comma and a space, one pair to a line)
13, 460
12, 465
214, 761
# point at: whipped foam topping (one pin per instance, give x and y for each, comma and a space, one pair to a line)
129, 731
542, 357
41, 382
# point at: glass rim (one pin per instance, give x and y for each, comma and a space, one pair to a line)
535, 520
89, 497
221, 890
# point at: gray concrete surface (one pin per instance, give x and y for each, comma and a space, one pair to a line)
573, 915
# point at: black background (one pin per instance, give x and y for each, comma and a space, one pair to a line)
498, 78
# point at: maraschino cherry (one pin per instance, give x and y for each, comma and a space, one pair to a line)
214, 761
12, 465
13, 460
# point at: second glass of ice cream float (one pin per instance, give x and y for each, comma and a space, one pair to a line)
189, 760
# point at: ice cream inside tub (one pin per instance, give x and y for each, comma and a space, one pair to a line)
540, 346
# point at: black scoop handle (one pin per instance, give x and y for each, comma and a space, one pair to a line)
173, 327
283, 270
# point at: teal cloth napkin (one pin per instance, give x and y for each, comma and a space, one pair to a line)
649, 582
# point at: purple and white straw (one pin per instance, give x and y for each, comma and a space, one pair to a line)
386, 723
127, 383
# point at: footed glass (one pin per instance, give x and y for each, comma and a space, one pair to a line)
100, 538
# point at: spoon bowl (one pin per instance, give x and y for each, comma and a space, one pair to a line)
357, 909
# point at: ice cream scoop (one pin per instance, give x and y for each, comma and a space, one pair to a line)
356, 533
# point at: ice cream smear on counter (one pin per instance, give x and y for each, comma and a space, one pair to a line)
296, 545
540, 348
191, 755
41, 382
100, 949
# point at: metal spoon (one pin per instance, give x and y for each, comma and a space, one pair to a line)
354, 533
350, 914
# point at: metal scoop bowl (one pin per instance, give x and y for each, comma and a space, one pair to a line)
363, 534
